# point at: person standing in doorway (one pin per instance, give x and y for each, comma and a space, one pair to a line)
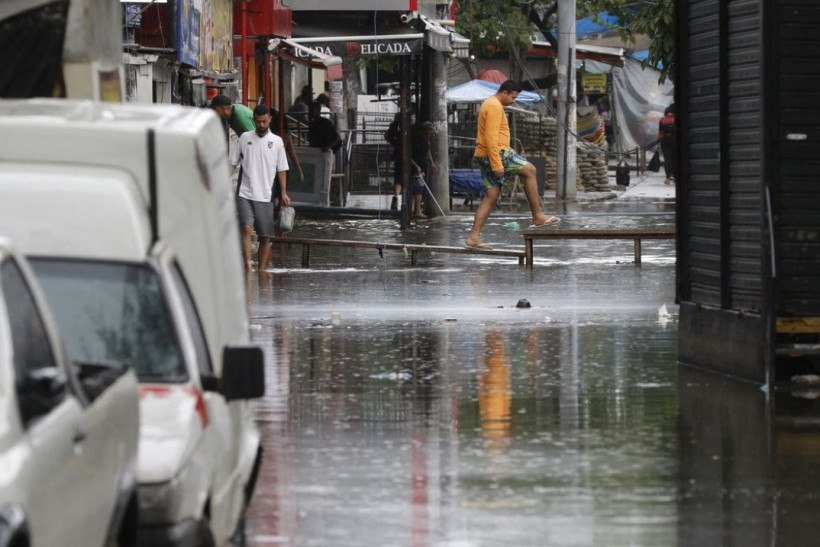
666, 134
393, 137
322, 134
263, 160
496, 161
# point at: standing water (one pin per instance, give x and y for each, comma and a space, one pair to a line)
420, 406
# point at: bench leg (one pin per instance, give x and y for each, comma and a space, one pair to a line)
305, 256
528, 252
637, 251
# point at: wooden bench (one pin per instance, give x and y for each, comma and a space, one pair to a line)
531, 234
411, 249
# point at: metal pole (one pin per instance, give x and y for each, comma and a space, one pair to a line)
440, 181
567, 114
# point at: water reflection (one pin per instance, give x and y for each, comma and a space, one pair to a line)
494, 393
750, 464
418, 406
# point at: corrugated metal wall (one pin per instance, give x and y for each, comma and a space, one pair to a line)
700, 137
744, 100
797, 162
723, 191
721, 211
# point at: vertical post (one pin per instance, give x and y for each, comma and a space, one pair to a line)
567, 117
440, 181
244, 50
404, 107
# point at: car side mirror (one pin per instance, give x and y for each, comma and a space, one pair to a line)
243, 372
40, 391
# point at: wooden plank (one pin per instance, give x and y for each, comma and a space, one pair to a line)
412, 248
650, 233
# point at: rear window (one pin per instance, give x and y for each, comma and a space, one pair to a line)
112, 313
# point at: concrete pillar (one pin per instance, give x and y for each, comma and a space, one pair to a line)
440, 181
567, 115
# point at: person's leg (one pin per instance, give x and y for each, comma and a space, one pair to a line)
244, 212
482, 213
527, 174
247, 245
264, 253
265, 230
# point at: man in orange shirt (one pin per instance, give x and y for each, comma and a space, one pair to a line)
496, 161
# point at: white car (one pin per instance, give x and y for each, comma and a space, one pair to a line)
68, 431
136, 245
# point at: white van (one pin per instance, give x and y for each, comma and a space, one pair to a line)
68, 430
127, 216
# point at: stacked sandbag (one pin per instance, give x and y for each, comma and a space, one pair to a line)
592, 166
540, 139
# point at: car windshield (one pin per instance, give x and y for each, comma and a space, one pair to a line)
113, 313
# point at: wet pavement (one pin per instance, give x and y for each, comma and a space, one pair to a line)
419, 406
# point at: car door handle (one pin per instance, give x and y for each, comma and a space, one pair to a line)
79, 436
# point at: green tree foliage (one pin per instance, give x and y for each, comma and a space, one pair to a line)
483, 22
654, 18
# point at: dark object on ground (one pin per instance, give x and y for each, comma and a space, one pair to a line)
523, 303
655, 163
622, 173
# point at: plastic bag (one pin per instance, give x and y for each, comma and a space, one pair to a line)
655, 163
287, 215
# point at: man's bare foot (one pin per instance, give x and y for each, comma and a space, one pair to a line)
477, 244
545, 220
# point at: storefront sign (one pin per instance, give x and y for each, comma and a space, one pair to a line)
362, 47
594, 84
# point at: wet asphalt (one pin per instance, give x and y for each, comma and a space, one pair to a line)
420, 406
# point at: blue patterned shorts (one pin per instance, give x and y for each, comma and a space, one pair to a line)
510, 160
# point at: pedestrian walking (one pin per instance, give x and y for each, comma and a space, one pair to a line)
666, 134
238, 116
322, 134
496, 160
263, 160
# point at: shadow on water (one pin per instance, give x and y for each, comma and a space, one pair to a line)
419, 406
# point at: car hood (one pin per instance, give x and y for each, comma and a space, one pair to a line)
172, 423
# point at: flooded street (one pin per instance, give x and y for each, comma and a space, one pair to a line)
421, 406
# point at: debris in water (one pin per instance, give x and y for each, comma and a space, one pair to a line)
523, 303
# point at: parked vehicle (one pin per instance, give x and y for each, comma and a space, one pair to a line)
68, 430
127, 215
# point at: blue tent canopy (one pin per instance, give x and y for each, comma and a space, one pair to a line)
643, 54
590, 26
477, 91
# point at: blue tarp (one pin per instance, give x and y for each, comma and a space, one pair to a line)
591, 26
477, 91
641, 55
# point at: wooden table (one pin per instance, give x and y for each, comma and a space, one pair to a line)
531, 234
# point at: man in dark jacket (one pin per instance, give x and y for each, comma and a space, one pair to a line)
322, 134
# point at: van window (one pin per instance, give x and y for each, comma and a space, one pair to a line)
113, 313
30, 343
203, 356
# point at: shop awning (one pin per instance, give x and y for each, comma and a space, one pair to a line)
438, 36
610, 55
302, 54
364, 46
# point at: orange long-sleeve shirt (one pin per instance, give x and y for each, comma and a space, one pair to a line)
493, 132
